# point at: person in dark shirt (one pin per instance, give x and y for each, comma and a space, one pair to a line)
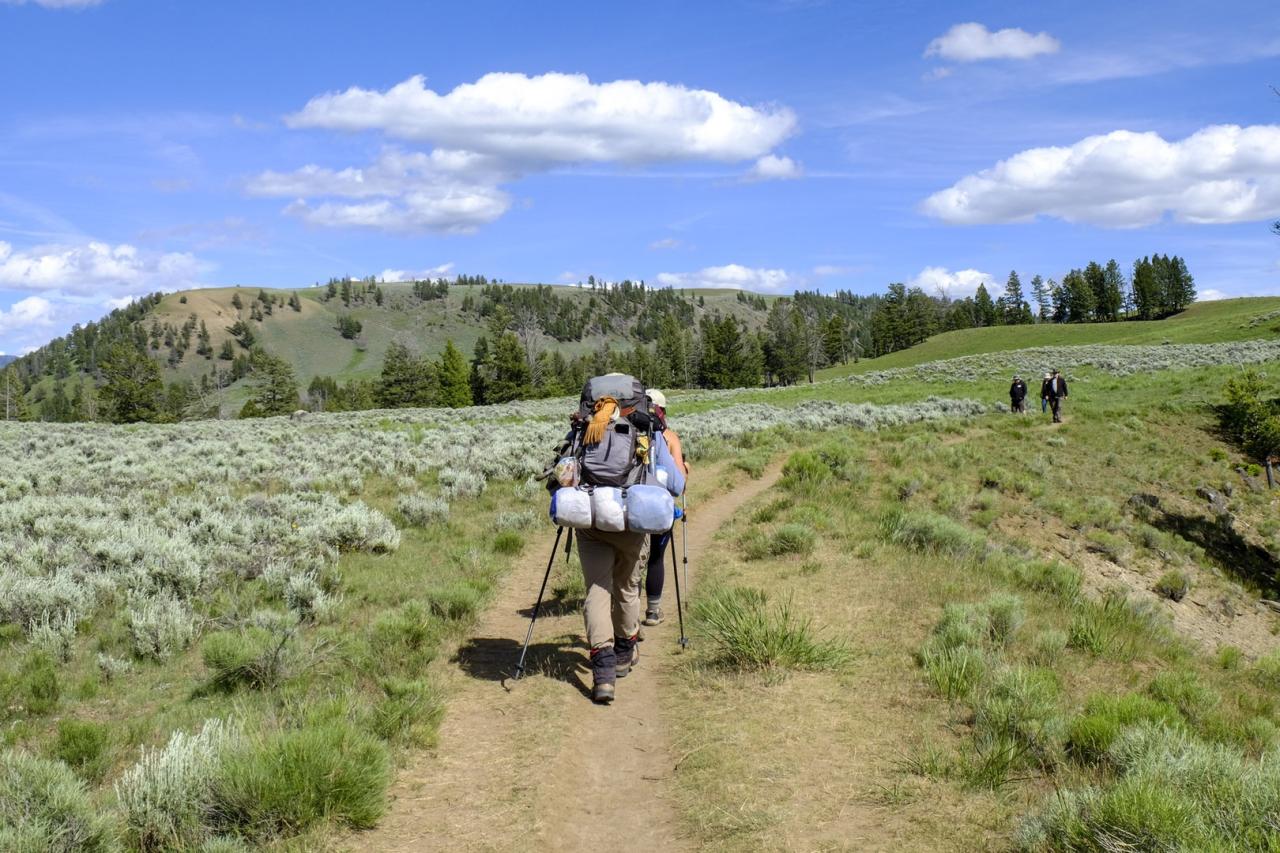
1018, 395
1057, 392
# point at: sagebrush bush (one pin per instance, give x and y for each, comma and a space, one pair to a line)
423, 511
1183, 689
286, 782
45, 808
54, 635
38, 686
748, 633
160, 627
167, 797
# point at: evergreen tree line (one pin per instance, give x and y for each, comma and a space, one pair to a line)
1159, 286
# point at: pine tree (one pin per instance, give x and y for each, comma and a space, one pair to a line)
275, 388
985, 307
480, 365
1043, 296
510, 379
346, 292
454, 380
1113, 289
1146, 289
1013, 301
132, 388
406, 379
1079, 298
835, 339
672, 353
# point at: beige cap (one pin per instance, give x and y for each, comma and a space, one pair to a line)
658, 398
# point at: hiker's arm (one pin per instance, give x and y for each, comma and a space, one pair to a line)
664, 460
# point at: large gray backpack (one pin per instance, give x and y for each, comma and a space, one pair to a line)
613, 460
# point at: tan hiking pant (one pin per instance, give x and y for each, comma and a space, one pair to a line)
611, 568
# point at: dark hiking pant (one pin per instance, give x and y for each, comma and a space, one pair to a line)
1055, 403
656, 573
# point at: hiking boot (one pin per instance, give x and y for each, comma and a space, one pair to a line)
653, 616
604, 672
627, 655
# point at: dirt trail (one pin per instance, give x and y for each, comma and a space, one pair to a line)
534, 764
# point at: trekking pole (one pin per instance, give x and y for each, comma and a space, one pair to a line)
538, 605
684, 535
684, 641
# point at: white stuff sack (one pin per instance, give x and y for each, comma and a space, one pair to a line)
608, 509
650, 509
571, 507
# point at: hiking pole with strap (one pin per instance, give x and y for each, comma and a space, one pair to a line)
538, 605
675, 571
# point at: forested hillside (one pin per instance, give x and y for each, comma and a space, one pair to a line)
359, 344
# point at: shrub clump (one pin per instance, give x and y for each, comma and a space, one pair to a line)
1055, 578
749, 634
931, 533
160, 627
85, 746
1091, 734
791, 539
423, 511
1173, 791
252, 658
1173, 585
287, 782
44, 807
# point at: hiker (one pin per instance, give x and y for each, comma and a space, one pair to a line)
655, 574
1057, 390
1018, 395
1044, 393
612, 446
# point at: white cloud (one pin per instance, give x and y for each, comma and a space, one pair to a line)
26, 314
666, 243
824, 270
1220, 174
559, 118
94, 269
55, 4
732, 276
1211, 295
973, 42
954, 285
415, 275
772, 167
503, 127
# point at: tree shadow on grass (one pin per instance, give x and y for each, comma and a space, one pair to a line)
494, 659
1226, 547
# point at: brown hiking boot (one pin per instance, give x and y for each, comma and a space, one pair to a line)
604, 672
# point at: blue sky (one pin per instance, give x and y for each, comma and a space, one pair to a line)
150, 145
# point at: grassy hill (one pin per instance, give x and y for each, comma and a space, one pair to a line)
1202, 323
310, 341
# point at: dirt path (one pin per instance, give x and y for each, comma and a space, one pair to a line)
534, 764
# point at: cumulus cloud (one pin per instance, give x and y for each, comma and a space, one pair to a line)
772, 167
94, 269
415, 275
1211, 295
1220, 174
973, 42
559, 118
503, 127
953, 285
666, 243
27, 314
731, 276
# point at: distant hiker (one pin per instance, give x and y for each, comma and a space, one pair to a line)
1044, 393
655, 574
1018, 395
612, 486
1057, 391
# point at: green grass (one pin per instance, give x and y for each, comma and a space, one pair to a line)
1205, 322
750, 634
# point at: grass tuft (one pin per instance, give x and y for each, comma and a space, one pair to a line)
749, 634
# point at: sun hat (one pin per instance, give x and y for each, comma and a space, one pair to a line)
658, 398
